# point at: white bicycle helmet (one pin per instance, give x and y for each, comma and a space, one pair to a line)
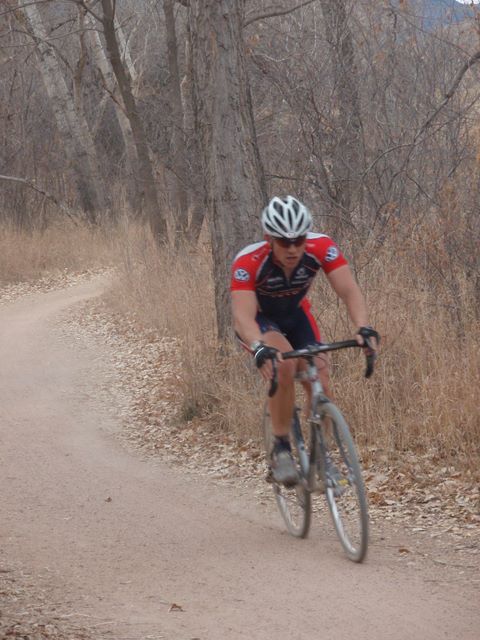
286, 218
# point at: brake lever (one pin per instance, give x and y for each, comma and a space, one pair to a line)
370, 357
370, 364
274, 381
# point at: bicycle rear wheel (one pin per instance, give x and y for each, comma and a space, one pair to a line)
339, 468
293, 503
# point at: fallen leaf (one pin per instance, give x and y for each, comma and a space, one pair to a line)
376, 498
175, 607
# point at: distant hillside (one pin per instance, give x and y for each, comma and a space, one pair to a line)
434, 13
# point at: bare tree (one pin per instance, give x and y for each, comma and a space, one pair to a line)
232, 170
348, 156
74, 129
146, 179
197, 197
98, 53
178, 145
126, 56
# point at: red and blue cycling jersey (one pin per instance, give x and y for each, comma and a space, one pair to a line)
281, 299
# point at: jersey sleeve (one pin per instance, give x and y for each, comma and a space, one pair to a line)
243, 275
328, 254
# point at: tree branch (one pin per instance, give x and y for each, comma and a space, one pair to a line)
272, 13
47, 195
321, 188
14, 7
84, 4
417, 137
468, 64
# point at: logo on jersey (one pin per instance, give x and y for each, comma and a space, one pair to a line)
241, 275
332, 253
302, 272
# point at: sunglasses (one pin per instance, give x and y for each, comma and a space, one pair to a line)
285, 243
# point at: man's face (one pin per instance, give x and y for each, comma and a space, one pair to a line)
287, 253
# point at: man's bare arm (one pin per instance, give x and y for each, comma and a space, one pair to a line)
244, 308
345, 286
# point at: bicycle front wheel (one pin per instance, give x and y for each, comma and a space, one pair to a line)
294, 503
339, 468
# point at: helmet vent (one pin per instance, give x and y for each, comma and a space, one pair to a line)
278, 207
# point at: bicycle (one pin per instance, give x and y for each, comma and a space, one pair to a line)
327, 461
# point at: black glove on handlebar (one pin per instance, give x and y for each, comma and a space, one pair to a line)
263, 353
369, 332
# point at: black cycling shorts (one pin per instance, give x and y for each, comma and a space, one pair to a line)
300, 328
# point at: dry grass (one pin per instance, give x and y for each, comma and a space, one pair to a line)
424, 394
173, 294
425, 391
422, 299
26, 256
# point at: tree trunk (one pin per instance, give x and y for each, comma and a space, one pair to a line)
178, 139
101, 60
197, 196
231, 165
80, 66
348, 158
126, 57
145, 170
73, 127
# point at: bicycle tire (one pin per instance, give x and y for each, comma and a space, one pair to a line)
295, 503
339, 468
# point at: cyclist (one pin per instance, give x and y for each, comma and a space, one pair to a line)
271, 313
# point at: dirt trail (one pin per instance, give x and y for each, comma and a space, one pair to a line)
118, 540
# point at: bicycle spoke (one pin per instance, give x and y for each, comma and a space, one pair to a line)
345, 491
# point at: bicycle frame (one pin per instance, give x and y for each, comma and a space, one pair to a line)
318, 469
318, 397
